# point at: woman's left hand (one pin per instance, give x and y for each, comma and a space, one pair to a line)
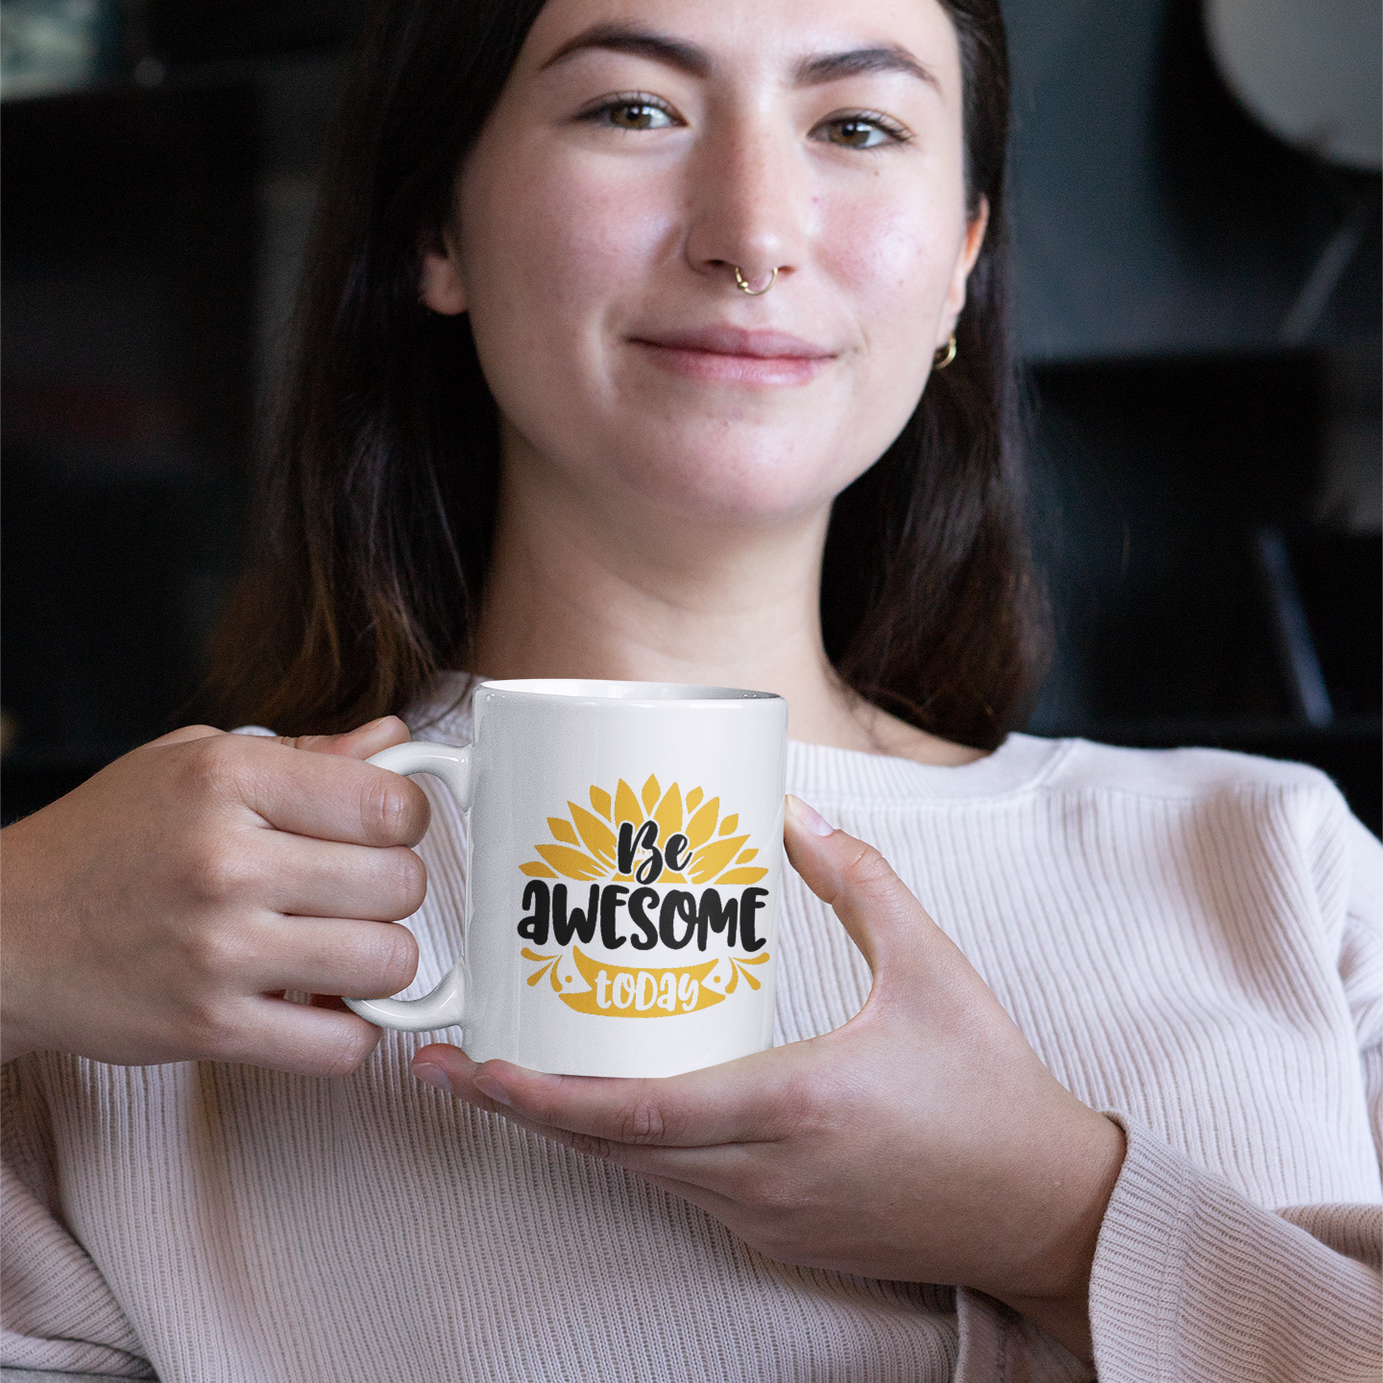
923, 1141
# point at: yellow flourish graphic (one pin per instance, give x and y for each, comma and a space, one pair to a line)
653, 837
620, 991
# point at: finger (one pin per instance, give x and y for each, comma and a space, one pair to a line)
360, 743
324, 878
758, 1098
450, 1070
327, 796
724, 1169
298, 1038
333, 956
725, 1165
877, 908
184, 734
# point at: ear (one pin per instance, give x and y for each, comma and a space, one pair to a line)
439, 285
965, 261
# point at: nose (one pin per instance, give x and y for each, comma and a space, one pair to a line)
749, 206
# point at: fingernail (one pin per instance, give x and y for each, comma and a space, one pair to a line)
809, 817
432, 1075
374, 724
489, 1086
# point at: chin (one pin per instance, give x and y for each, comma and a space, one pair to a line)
719, 483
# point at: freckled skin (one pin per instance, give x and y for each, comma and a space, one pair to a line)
571, 237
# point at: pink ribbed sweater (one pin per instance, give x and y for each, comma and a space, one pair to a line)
1191, 941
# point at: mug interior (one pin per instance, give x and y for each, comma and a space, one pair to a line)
597, 690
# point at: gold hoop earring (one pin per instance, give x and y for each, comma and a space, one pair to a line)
742, 283
945, 354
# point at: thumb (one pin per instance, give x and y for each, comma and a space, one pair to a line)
359, 743
875, 906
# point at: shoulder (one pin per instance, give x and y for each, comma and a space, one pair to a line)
1239, 802
1025, 767
1184, 774
1271, 831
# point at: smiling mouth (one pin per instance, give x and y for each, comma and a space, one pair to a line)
732, 355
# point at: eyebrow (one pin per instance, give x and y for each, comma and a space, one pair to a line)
694, 60
618, 38
862, 62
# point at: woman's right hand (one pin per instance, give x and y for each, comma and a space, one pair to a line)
158, 912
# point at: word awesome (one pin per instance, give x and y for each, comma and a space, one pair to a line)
672, 918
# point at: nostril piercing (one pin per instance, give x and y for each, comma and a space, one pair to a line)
743, 284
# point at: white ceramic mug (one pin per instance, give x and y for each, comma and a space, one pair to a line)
623, 871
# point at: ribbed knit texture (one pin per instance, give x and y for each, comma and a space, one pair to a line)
1191, 941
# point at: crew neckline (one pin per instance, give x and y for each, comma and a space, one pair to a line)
1020, 763
825, 771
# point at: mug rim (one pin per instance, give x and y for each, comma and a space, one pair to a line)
597, 691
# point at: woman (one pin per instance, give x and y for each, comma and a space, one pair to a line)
714, 261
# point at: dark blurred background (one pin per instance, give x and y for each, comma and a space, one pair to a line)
1198, 314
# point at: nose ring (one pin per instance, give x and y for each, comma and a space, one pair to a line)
742, 283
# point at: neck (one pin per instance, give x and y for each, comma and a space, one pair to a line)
580, 587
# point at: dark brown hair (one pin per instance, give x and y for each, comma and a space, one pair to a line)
379, 500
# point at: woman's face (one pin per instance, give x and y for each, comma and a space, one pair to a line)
640, 152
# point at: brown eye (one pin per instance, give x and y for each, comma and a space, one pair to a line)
637, 115
857, 134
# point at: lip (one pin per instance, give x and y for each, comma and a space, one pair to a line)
732, 354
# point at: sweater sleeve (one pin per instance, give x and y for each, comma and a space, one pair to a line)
58, 1311
1194, 1281
1361, 966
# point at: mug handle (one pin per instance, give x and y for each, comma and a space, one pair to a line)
446, 1004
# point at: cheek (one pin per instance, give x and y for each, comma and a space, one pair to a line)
543, 252
893, 260
546, 245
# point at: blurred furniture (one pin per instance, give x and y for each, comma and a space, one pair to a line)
1197, 307
129, 223
153, 221
48, 46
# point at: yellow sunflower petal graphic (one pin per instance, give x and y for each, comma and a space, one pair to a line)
742, 876
709, 861
626, 804
669, 813
573, 864
700, 827
562, 830
586, 848
596, 836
